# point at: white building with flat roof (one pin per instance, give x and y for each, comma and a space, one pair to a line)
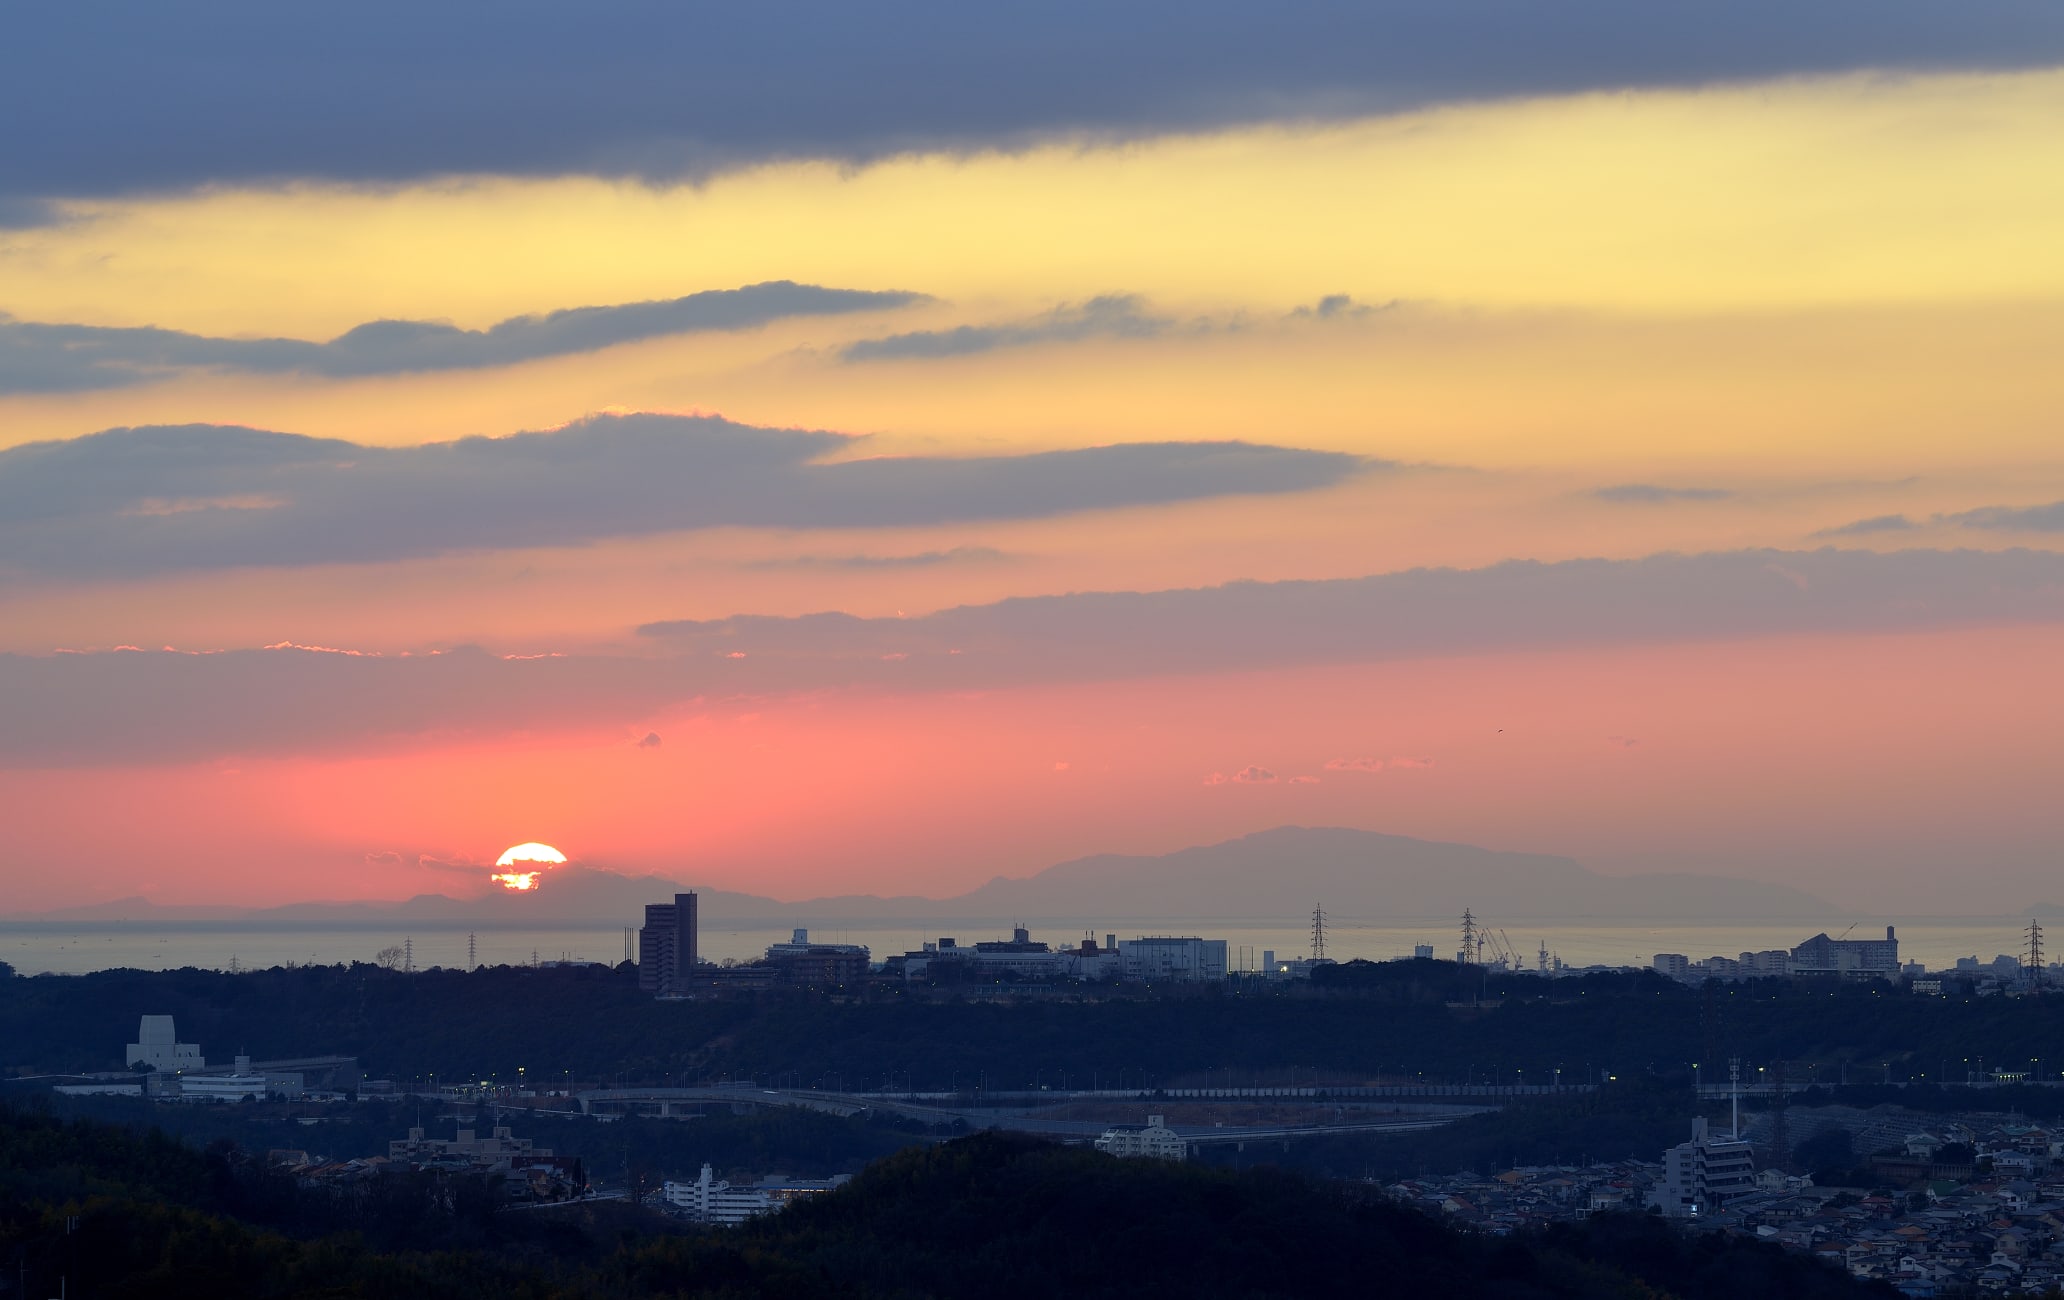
710, 1199
240, 1086
157, 1045
1154, 1142
1164, 959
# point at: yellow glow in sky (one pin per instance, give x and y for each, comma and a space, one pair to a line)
1808, 193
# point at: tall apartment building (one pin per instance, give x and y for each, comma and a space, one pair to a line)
666, 945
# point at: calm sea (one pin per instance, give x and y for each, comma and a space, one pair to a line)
33, 947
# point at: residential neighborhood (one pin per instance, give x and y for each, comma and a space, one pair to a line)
1997, 1231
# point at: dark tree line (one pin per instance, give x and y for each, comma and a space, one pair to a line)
121, 1214
1409, 1019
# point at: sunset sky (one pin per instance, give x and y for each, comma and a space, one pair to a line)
814, 448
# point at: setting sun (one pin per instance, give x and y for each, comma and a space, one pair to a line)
544, 855
533, 852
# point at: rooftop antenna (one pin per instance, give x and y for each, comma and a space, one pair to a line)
1780, 1136
1734, 1095
1469, 940
1318, 934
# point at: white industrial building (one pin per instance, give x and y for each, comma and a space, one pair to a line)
1704, 1174
1146, 960
710, 1199
240, 1084
157, 1045
1154, 1142
1166, 959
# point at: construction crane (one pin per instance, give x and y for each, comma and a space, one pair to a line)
1502, 951
1478, 938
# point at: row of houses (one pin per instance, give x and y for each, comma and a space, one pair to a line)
1998, 1230
518, 1169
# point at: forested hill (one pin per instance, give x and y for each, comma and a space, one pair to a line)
1002, 1216
121, 1215
1398, 1019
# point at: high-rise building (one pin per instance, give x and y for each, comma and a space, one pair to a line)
666, 945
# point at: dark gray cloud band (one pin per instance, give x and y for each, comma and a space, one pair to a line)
2030, 519
158, 706
1426, 612
1656, 494
920, 560
1874, 524
135, 502
1109, 316
133, 95
1113, 315
1998, 519
37, 357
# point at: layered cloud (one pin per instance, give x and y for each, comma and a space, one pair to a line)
134, 97
1518, 605
43, 357
919, 560
130, 502
2034, 519
134, 706
1874, 524
1652, 493
1109, 316
137, 706
2000, 519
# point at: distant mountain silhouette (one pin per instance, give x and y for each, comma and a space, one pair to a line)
1275, 875
1283, 873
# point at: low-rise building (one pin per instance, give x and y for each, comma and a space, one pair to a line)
710, 1199
1154, 1141
1160, 959
501, 1151
821, 966
222, 1087
1848, 958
